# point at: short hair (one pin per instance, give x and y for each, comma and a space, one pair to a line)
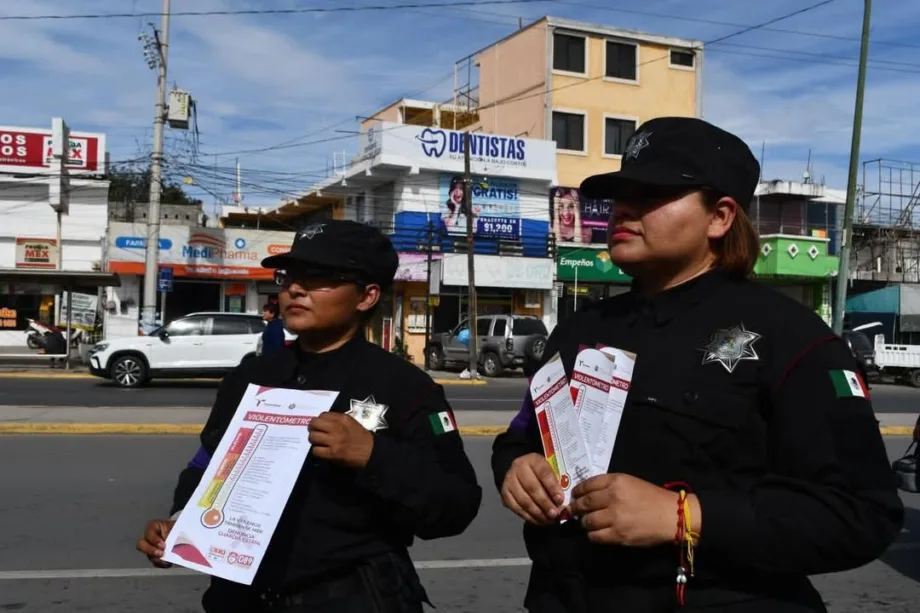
271, 307
737, 251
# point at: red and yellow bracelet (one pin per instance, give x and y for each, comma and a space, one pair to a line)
685, 539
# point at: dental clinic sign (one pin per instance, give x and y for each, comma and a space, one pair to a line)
438, 149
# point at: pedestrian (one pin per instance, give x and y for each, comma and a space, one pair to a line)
273, 335
748, 456
386, 465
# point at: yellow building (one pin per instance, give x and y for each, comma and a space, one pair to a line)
585, 86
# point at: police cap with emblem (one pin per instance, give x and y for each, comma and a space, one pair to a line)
669, 154
339, 247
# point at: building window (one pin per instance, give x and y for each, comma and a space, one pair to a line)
569, 53
621, 61
616, 134
682, 59
569, 131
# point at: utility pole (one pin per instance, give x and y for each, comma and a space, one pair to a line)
470, 257
843, 272
151, 268
429, 246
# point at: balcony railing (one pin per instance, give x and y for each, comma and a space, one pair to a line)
421, 238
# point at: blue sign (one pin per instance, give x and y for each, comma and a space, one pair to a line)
165, 279
483, 147
240, 243
139, 242
496, 206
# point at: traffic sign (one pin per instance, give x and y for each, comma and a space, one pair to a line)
165, 279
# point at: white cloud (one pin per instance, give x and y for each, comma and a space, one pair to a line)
264, 80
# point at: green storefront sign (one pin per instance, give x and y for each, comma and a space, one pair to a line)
592, 266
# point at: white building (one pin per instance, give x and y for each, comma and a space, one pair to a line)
28, 225
407, 177
213, 269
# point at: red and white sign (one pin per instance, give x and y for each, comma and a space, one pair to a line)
28, 151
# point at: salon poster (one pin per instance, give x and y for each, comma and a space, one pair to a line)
576, 219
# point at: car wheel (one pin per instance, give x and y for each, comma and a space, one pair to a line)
435, 358
129, 371
491, 365
914, 377
536, 349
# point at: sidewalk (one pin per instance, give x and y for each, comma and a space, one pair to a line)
172, 420
189, 420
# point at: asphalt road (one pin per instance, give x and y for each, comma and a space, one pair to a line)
69, 534
500, 394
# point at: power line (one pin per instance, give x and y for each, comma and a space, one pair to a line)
515, 98
745, 30
290, 11
731, 24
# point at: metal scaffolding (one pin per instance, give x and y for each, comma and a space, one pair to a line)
886, 230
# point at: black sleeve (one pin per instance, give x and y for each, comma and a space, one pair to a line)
523, 434
228, 397
830, 503
426, 471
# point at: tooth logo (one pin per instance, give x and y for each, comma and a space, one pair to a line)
433, 142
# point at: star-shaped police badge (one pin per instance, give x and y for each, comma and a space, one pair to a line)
636, 144
730, 346
368, 413
312, 230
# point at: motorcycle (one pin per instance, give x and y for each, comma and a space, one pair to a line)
35, 338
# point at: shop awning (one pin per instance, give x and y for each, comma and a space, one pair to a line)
62, 278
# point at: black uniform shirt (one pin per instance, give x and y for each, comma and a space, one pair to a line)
416, 483
737, 391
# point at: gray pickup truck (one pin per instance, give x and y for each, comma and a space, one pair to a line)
505, 342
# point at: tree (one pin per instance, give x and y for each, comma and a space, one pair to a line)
133, 185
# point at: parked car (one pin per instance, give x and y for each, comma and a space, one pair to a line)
205, 345
864, 352
505, 342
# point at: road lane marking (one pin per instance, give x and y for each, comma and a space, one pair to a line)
87, 376
15, 428
127, 573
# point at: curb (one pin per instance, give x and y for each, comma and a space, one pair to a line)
87, 376
195, 429
163, 429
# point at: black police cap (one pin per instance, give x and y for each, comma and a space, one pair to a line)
340, 246
669, 153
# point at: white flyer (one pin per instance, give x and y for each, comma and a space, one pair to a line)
624, 362
228, 523
590, 386
563, 444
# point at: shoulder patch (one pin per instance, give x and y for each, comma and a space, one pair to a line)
442, 423
849, 384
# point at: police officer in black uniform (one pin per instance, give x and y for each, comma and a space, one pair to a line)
387, 463
741, 398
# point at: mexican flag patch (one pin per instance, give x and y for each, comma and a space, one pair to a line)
442, 423
849, 384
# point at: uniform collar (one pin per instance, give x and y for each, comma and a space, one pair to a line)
665, 305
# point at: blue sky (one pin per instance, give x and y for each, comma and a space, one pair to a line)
262, 81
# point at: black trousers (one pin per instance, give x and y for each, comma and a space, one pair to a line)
387, 584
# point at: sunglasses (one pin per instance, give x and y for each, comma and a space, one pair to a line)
315, 280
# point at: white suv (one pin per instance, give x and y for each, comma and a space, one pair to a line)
197, 345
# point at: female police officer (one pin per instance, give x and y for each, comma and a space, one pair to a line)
382, 468
748, 456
